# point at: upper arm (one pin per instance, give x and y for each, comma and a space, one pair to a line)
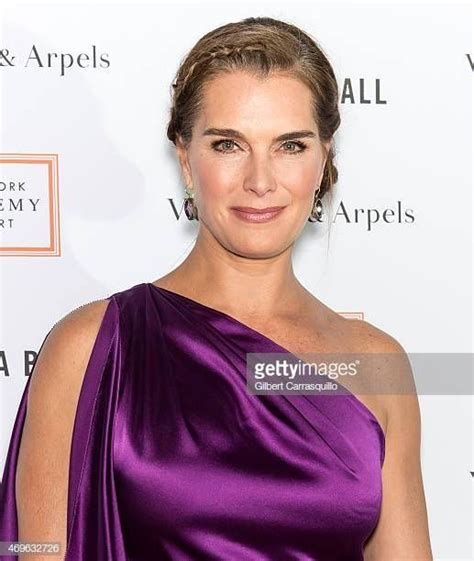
43, 460
402, 531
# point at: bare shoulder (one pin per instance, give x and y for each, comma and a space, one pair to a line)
67, 348
390, 376
370, 338
385, 350
43, 461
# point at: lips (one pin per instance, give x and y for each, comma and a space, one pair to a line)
257, 215
253, 210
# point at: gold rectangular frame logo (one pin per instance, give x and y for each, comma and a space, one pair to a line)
53, 249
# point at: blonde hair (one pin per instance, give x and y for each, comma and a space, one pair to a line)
260, 45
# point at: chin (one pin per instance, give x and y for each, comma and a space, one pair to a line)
254, 250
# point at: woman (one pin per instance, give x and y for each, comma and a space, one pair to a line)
140, 440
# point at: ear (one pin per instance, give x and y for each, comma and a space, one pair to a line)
182, 154
327, 147
328, 144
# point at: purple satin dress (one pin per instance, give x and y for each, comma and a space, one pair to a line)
173, 459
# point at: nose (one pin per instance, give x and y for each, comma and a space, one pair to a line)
259, 176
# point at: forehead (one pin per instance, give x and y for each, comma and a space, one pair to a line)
243, 101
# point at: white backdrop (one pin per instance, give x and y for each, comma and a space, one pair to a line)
101, 177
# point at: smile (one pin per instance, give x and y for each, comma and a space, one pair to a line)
257, 215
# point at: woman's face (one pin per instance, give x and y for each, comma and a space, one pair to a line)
255, 144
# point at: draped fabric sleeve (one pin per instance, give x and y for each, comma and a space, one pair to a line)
93, 525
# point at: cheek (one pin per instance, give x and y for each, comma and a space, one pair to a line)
214, 180
301, 180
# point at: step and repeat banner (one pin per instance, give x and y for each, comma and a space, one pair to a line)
91, 194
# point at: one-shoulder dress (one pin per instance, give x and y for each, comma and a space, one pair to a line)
172, 458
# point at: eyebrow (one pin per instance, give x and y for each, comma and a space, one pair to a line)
213, 131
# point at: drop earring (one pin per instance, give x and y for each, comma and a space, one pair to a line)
317, 210
190, 208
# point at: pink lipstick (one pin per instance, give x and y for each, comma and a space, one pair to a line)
257, 215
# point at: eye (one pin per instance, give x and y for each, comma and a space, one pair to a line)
226, 142
301, 145
225, 145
